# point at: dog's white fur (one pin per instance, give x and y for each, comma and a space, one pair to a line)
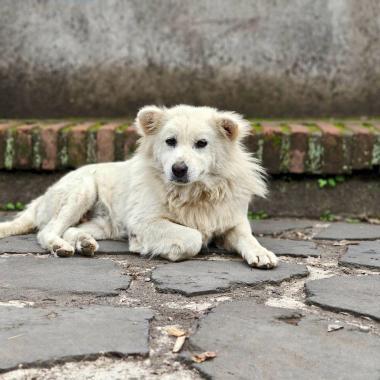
140, 199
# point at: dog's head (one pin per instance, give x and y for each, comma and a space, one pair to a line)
190, 144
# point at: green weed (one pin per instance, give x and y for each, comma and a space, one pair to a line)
327, 216
10, 206
330, 182
259, 215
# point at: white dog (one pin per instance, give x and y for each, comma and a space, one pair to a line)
190, 182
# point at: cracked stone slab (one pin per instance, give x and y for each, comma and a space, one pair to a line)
21, 244
296, 248
259, 342
25, 274
356, 295
33, 336
196, 277
277, 226
366, 254
349, 231
105, 368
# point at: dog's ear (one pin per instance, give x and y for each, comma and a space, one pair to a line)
232, 125
149, 119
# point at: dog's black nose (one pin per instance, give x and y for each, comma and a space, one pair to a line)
179, 169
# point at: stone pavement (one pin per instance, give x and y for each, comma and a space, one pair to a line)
316, 316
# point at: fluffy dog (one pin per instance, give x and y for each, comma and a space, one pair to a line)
190, 182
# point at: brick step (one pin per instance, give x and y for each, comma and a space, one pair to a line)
313, 147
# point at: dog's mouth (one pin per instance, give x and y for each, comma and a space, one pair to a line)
180, 181
183, 181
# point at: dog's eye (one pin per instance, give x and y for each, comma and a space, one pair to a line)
171, 142
201, 143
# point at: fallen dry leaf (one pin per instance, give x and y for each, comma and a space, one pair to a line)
174, 331
301, 235
179, 343
199, 358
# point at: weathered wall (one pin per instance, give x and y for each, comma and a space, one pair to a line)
260, 57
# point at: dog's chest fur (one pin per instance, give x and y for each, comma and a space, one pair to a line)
210, 211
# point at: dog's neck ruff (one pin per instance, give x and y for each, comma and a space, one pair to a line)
198, 193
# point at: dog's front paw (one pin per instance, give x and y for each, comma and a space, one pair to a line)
87, 246
176, 252
174, 256
179, 250
62, 250
262, 258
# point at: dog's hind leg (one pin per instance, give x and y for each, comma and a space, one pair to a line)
83, 237
22, 224
76, 205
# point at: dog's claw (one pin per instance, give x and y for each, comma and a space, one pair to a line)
262, 260
87, 251
63, 252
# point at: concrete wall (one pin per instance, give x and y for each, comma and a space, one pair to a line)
260, 57
300, 198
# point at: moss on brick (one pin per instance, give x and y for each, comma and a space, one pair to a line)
346, 146
313, 128
9, 153
36, 148
315, 154
63, 155
276, 139
285, 128
341, 127
369, 126
376, 151
119, 141
285, 148
77, 148
91, 147
260, 149
23, 148
257, 127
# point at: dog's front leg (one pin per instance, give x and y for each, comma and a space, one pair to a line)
169, 240
241, 240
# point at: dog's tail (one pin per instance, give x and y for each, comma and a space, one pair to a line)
22, 224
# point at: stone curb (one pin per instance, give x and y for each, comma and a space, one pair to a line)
284, 147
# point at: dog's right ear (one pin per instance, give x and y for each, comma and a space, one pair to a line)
149, 119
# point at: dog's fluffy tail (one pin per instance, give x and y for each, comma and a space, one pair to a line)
22, 224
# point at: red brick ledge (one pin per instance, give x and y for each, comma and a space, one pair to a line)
317, 147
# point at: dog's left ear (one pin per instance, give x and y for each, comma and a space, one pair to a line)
149, 119
232, 125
